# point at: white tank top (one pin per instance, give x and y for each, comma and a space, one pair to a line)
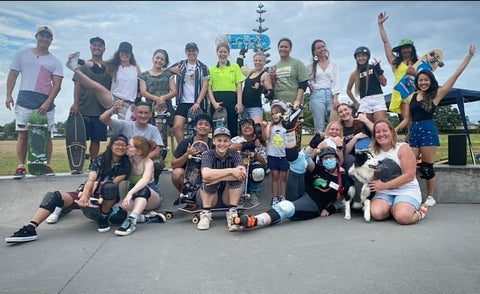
411, 188
126, 83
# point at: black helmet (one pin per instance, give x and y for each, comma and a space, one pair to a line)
362, 49
327, 151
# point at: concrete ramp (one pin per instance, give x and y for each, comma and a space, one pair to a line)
324, 255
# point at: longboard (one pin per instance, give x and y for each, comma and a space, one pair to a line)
76, 142
429, 61
196, 213
37, 143
244, 41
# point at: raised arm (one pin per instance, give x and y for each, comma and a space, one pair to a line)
448, 85
382, 17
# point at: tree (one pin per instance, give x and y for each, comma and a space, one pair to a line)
9, 131
446, 118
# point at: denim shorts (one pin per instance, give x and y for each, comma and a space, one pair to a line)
392, 199
251, 112
278, 163
423, 134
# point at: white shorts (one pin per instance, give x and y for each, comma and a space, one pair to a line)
22, 116
372, 104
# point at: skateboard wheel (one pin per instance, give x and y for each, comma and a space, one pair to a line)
195, 220
248, 196
100, 200
190, 156
168, 215
441, 64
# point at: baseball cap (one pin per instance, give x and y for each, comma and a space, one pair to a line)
221, 131
247, 121
401, 44
44, 29
98, 40
191, 45
125, 47
119, 137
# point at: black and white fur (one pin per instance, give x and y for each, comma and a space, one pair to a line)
361, 172
365, 169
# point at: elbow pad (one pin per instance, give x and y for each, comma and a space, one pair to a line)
303, 85
269, 94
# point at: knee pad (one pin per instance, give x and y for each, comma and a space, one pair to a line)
52, 200
285, 209
426, 171
257, 173
109, 191
144, 193
291, 153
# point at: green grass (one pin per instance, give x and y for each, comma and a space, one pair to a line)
8, 161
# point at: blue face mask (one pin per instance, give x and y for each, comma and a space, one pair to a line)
330, 163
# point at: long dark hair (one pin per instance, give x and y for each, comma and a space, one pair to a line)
431, 92
399, 58
315, 60
114, 63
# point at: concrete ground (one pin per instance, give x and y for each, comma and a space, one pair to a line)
440, 254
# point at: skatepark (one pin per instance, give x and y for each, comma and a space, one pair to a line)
440, 254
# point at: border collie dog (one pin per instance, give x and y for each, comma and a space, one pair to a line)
365, 169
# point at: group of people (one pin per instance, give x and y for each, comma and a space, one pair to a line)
313, 177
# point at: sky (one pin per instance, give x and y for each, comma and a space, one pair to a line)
450, 26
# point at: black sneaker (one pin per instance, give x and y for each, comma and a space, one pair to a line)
127, 227
155, 217
25, 234
103, 225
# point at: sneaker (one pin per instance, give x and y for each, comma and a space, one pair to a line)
127, 227
72, 62
245, 221
25, 234
274, 201
19, 173
254, 199
231, 214
430, 201
103, 225
155, 217
205, 219
281, 198
49, 171
53, 217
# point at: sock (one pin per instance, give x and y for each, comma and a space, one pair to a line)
423, 211
133, 215
21, 165
142, 218
34, 223
261, 220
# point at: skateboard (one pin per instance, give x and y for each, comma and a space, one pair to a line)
162, 121
76, 142
168, 210
247, 158
293, 118
196, 213
429, 61
193, 177
37, 143
191, 122
219, 119
245, 41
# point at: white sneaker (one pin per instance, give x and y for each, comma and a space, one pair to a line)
205, 219
53, 217
232, 213
430, 201
72, 62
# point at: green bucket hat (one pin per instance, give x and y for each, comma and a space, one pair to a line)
401, 44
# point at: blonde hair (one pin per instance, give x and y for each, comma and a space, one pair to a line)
374, 145
327, 129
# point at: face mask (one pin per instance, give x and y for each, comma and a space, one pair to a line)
330, 163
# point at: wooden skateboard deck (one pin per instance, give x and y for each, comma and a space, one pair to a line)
191, 122
37, 144
76, 142
196, 213
219, 119
429, 61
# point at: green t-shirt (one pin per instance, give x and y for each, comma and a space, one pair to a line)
226, 78
289, 74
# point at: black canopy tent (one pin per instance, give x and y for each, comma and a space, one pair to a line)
460, 97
